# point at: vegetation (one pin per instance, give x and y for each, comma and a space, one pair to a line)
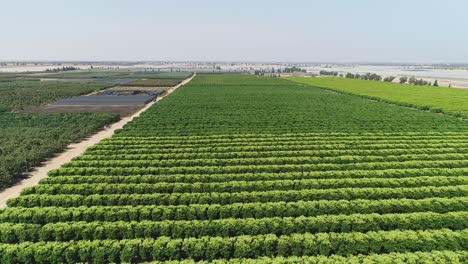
238, 168
81, 230
213, 247
28, 139
376, 77
329, 73
293, 69
436, 99
19, 94
108, 77
155, 82
62, 69
8, 76
415, 81
367, 76
116, 74
236, 104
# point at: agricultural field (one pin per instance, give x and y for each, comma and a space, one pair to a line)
85, 74
244, 169
155, 82
123, 77
114, 74
26, 139
17, 94
435, 99
231, 104
6, 76
28, 136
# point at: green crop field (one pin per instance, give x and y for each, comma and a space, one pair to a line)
246, 104
245, 169
436, 99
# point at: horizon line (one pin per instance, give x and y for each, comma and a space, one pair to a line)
235, 61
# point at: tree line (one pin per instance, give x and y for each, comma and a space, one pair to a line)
414, 81
329, 73
277, 72
376, 77
367, 76
64, 68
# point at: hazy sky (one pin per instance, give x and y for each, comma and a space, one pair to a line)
233, 30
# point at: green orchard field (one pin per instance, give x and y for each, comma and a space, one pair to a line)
240, 104
436, 99
243, 169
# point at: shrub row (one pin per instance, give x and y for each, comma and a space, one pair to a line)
71, 200
274, 147
194, 178
319, 161
304, 137
261, 168
241, 186
445, 256
278, 146
65, 231
211, 248
154, 155
246, 136
162, 144
44, 215
298, 134
207, 127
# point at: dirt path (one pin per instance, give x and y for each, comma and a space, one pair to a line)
72, 151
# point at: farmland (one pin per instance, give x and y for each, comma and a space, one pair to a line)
19, 94
436, 99
155, 82
114, 74
29, 138
241, 168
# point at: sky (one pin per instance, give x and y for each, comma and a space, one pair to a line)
392, 31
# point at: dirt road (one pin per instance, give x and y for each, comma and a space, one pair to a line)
73, 151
